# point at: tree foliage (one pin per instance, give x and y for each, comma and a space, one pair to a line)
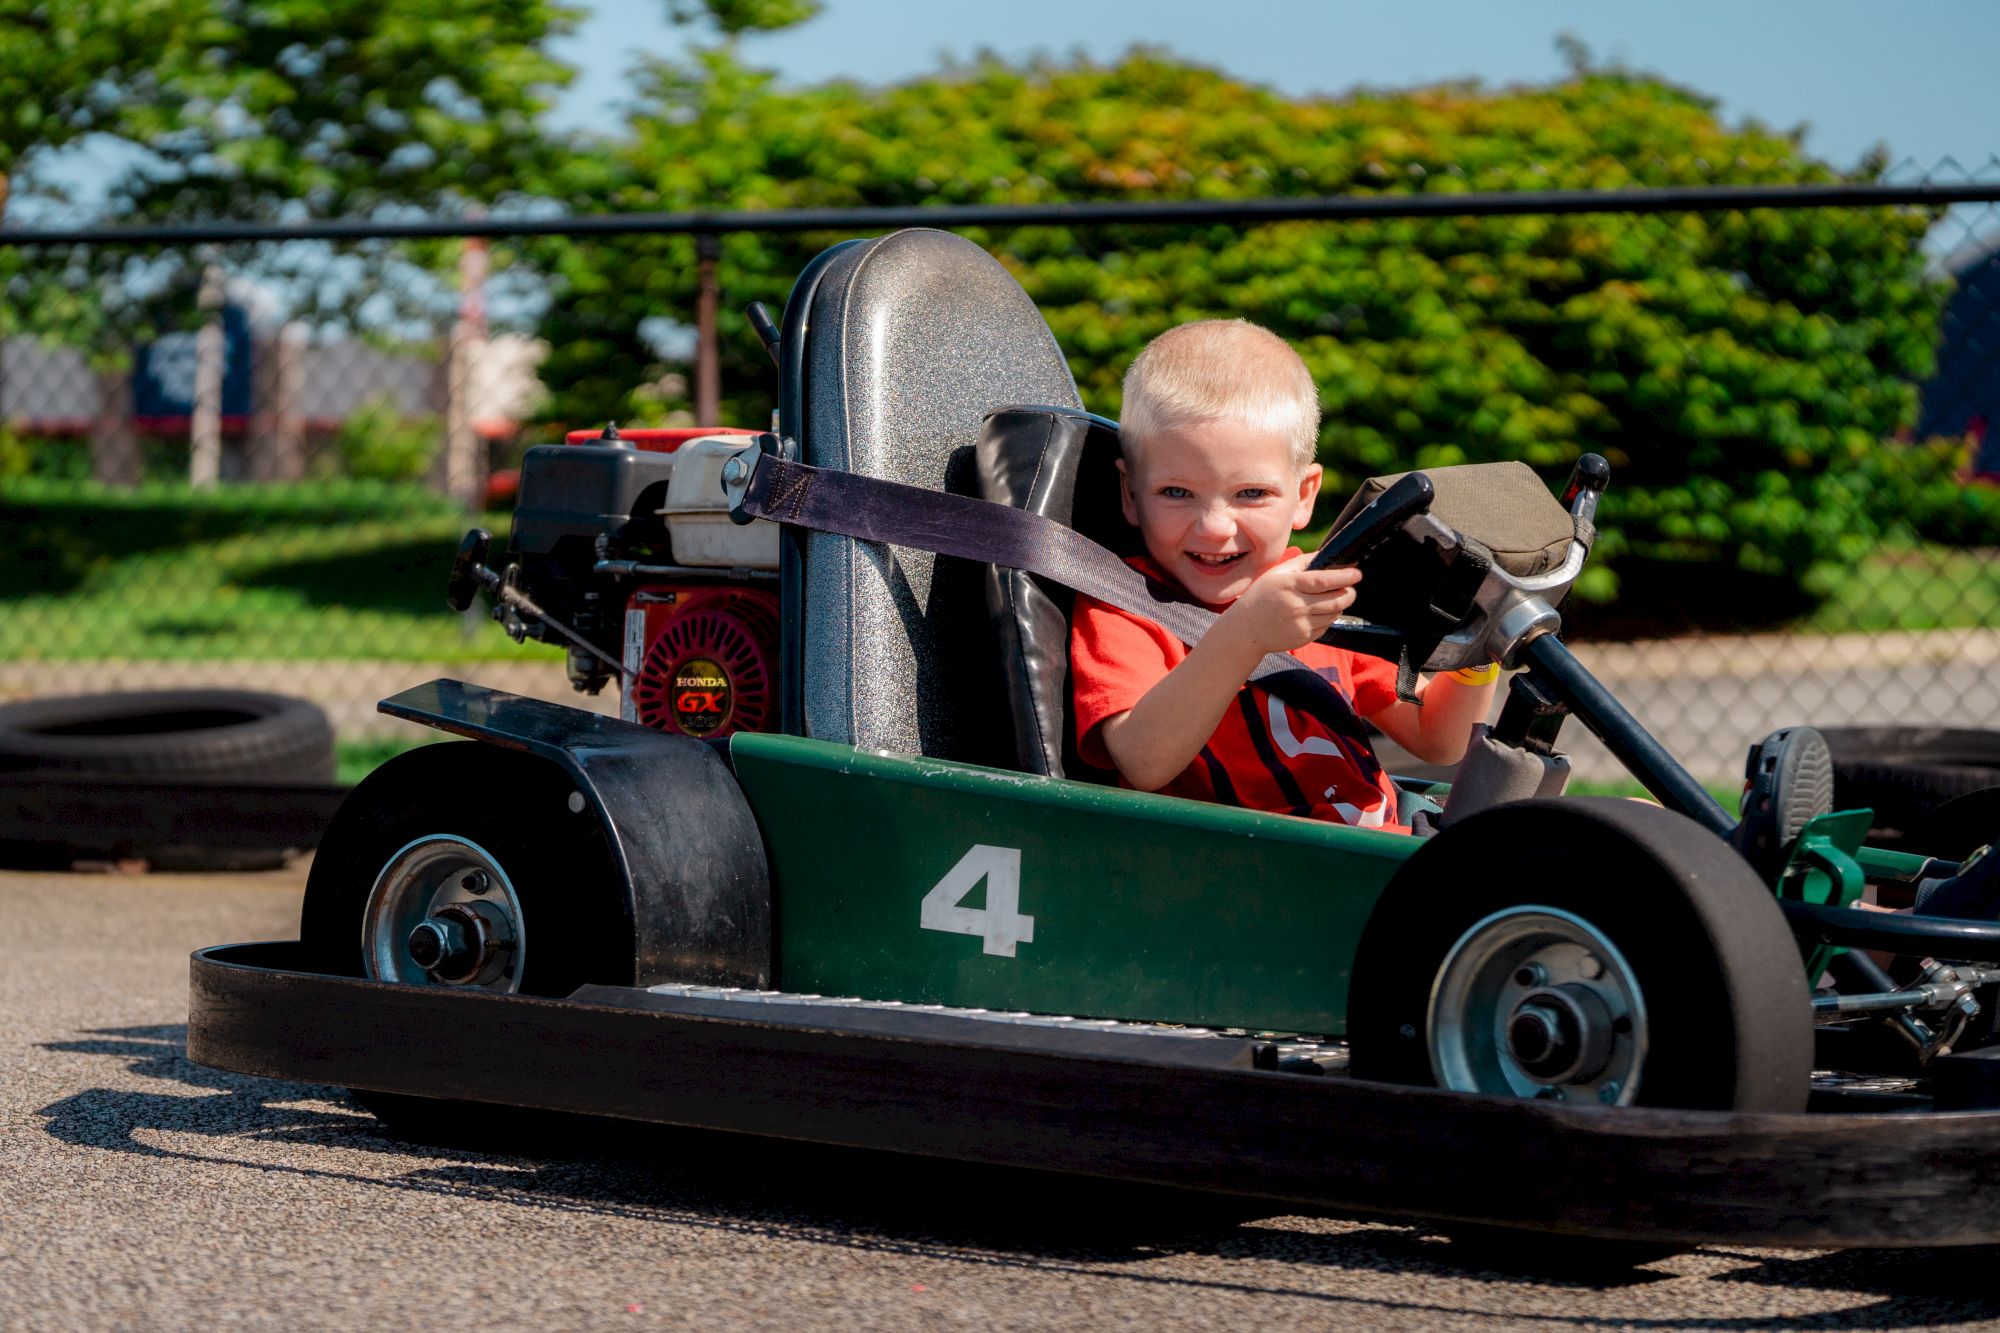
262, 109
250, 108
339, 107
733, 18
1739, 369
59, 59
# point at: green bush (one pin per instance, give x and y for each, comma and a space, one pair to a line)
1927, 482
1741, 370
17, 454
378, 442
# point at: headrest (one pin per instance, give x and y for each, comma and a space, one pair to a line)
1503, 506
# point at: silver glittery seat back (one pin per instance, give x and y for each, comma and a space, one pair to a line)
911, 340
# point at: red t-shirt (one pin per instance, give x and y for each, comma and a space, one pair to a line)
1264, 755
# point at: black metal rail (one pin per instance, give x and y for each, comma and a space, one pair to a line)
1502, 203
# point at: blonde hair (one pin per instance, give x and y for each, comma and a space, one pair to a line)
1226, 370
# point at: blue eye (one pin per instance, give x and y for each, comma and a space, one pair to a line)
1175, 492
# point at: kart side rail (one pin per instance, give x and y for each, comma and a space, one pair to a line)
1180, 1112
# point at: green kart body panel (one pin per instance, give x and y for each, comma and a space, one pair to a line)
934, 882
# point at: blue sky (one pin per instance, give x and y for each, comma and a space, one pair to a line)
1918, 76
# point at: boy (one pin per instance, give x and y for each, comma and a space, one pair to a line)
1220, 423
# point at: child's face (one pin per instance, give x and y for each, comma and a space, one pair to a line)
1217, 504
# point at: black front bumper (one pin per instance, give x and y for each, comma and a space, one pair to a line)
1177, 1112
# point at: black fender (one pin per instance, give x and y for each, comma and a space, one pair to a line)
692, 872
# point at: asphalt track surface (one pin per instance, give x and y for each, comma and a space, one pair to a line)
138, 1190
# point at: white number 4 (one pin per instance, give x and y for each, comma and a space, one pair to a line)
999, 924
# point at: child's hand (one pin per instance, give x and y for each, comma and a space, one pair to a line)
1290, 605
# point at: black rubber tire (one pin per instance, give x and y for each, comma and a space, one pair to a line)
214, 860
87, 844
1956, 829
517, 808
1730, 1017
205, 735
1903, 773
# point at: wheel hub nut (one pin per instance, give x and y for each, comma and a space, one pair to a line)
1541, 1038
1560, 1035
453, 945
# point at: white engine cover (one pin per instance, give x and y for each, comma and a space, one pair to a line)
697, 514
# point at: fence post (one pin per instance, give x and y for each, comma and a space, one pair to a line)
275, 450
114, 444
464, 451
707, 351
291, 384
205, 425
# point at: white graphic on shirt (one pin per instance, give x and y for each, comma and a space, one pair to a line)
1375, 816
1281, 732
1359, 818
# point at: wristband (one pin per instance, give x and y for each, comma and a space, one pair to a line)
1479, 675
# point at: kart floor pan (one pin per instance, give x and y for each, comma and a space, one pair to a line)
1182, 1112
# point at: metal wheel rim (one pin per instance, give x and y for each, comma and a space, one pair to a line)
1480, 988
425, 875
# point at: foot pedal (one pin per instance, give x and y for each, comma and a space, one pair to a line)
1787, 782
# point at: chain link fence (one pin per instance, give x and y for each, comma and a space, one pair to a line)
247, 464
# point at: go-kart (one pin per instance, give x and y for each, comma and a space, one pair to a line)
852, 885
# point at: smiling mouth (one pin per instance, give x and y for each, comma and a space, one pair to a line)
1215, 561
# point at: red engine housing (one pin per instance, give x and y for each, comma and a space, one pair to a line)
702, 659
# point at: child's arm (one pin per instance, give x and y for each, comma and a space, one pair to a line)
1440, 730
1288, 606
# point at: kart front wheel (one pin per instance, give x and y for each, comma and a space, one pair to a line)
471, 866
1584, 950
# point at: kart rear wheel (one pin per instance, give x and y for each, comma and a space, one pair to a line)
1584, 950
466, 865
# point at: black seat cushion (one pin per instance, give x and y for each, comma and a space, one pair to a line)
1060, 463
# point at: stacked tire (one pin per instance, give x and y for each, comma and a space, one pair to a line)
188, 745
1909, 775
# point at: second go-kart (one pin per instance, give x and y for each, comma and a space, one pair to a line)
836, 875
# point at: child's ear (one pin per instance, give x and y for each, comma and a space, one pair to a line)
1308, 492
1126, 500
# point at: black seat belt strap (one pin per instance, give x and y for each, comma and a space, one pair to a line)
872, 509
